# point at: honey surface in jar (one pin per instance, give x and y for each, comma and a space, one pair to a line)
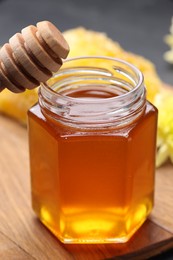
92, 186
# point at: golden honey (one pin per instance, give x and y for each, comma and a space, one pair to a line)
92, 152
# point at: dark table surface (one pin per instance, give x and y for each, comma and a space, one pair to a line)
139, 26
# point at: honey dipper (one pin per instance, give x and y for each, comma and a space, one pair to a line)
31, 57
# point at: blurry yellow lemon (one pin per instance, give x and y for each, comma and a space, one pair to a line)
164, 102
17, 105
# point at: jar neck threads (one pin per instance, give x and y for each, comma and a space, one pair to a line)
105, 92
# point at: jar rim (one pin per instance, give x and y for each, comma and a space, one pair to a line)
103, 100
127, 104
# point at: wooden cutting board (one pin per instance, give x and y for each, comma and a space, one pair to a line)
22, 236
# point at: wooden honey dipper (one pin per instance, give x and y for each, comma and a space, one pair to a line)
31, 56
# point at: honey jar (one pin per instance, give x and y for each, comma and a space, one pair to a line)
92, 139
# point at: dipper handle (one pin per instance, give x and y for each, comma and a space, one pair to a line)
31, 57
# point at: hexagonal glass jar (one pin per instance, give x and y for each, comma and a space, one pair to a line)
92, 140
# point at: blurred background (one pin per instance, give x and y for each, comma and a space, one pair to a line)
139, 26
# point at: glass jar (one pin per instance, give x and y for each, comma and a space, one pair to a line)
92, 143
